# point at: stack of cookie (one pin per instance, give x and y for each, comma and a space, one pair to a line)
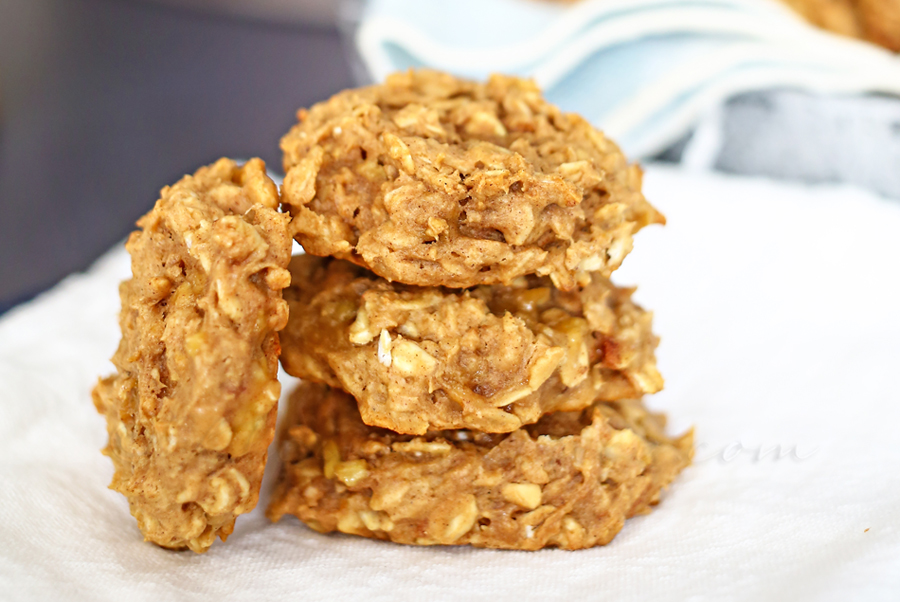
472, 375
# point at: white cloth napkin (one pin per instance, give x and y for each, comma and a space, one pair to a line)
778, 310
642, 70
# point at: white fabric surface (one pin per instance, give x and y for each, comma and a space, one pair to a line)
777, 307
644, 71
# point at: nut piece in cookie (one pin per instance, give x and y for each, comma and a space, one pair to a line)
436, 181
569, 481
491, 359
191, 411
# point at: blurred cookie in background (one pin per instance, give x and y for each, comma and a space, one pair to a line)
877, 21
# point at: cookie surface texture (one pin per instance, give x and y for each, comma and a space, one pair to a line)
569, 481
191, 410
491, 358
432, 180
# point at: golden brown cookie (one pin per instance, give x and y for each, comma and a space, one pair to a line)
191, 411
569, 481
491, 359
436, 181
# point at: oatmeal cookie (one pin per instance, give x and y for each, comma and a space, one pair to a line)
569, 481
191, 411
436, 181
491, 358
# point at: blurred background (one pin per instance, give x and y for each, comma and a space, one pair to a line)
103, 102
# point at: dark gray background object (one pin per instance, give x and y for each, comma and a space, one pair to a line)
106, 101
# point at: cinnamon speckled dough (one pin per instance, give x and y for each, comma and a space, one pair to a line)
436, 181
569, 481
491, 358
191, 411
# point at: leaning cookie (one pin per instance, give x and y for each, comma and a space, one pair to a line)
436, 181
192, 409
569, 481
491, 359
